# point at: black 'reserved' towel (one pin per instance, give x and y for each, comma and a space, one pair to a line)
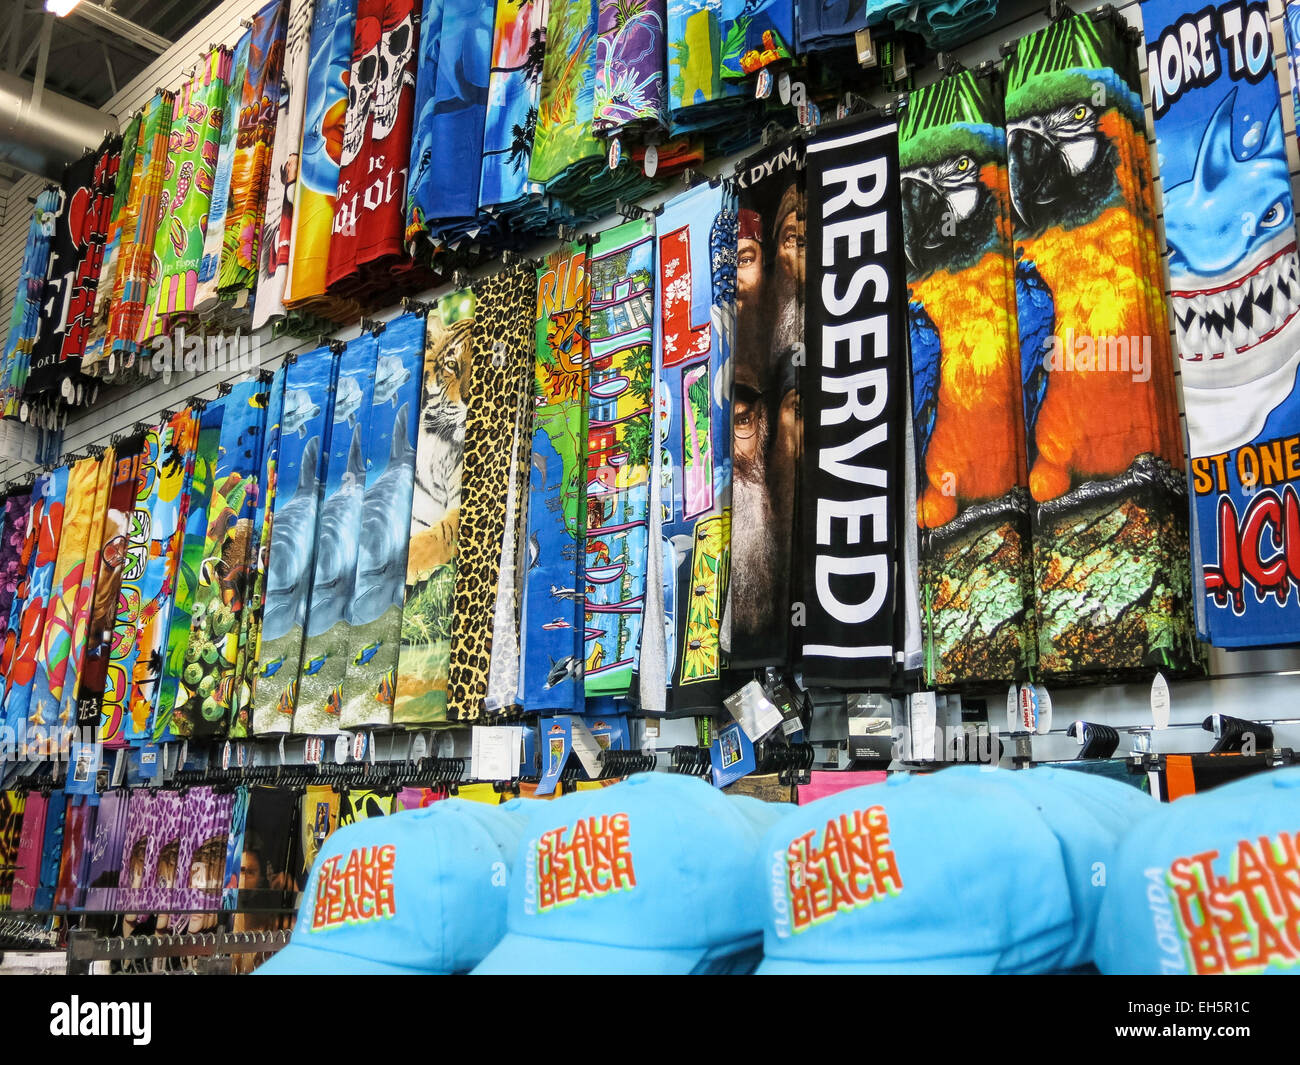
853, 394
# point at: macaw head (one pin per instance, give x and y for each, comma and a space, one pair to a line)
950, 211
1232, 250
1062, 154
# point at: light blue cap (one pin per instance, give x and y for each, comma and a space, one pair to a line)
1088, 815
941, 873
419, 891
1210, 884
647, 876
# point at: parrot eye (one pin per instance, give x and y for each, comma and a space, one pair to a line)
963, 164
1079, 113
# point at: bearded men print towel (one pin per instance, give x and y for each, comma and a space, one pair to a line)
1230, 228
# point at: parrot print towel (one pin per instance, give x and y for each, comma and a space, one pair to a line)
631, 57
1229, 219
328, 633
972, 502
305, 421
157, 533
273, 256
502, 342
25, 319
423, 661
620, 433
328, 76
144, 207
207, 678
553, 628
697, 245
375, 611
1110, 509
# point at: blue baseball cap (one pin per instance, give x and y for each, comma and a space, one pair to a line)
648, 876
1089, 816
416, 892
1208, 885
942, 873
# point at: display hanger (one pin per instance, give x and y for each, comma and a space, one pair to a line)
1099, 741
1235, 732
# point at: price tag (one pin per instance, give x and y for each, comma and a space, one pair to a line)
185, 754
1044, 710
1013, 709
615, 153
866, 49
282, 750
922, 707
1028, 717
241, 755
359, 745
650, 163
225, 755
312, 750
900, 64
783, 88
1160, 702
341, 744
763, 86
419, 747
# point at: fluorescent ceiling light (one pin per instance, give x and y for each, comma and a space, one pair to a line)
60, 7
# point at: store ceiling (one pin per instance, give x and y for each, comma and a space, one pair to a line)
95, 50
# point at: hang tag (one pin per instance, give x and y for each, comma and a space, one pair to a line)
763, 85
370, 748
67, 391
651, 161
780, 695
1044, 710
83, 768
149, 761
419, 747
494, 752
312, 750
866, 49
731, 755
282, 750
783, 88
585, 747
24, 411
751, 707
1160, 703
225, 755
900, 64
1013, 709
185, 754
241, 755
1028, 717
359, 745
341, 744
615, 152
119, 768
922, 714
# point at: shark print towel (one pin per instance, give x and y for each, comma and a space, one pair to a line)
329, 634
305, 423
379, 587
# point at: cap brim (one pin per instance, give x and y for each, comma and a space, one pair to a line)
967, 965
296, 959
518, 955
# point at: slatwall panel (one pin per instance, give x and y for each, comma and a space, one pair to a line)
1259, 684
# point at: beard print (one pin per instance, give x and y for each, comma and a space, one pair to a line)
370, 213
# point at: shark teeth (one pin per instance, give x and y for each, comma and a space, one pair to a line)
1232, 319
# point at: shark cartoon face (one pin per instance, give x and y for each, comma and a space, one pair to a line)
949, 215
564, 668
347, 400
381, 567
288, 575
337, 546
1233, 269
390, 375
298, 411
